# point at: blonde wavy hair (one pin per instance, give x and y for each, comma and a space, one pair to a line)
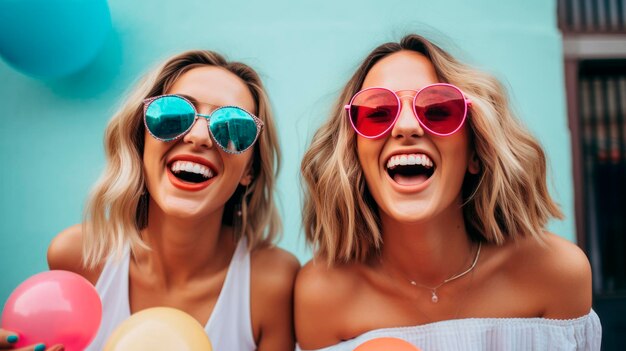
116, 210
508, 199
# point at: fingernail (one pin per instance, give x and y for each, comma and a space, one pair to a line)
12, 339
40, 347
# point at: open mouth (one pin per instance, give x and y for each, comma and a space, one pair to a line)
191, 172
410, 169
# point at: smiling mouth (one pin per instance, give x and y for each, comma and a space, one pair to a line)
410, 169
191, 172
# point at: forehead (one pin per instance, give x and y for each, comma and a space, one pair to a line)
403, 70
214, 86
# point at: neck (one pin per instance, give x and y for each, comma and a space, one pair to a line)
184, 248
428, 251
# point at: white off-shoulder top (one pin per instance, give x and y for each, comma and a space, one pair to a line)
492, 334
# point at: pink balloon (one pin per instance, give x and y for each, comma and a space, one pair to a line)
54, 307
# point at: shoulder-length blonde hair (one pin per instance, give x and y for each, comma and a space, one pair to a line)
115, 212
508, 199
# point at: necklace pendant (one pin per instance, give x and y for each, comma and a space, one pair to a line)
434, 298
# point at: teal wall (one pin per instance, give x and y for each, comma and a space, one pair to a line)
51, 130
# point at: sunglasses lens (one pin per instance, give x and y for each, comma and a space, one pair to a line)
441, 108
169, 116
233, 128
373, 111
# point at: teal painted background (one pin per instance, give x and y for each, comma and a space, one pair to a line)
51, 131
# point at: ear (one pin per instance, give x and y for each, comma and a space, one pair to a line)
473, 166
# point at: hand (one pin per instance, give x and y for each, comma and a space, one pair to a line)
8, 339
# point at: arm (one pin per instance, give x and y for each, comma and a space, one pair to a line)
556, 275
66, 253
273, 272
322, 295
568, 280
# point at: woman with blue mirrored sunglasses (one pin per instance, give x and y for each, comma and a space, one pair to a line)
184, 214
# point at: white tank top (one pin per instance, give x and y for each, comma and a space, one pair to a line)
229, 326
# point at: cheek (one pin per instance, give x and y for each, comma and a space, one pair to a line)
150, 145
457, 154
153, 152
368, 153
364, 152
236, 166
148, 151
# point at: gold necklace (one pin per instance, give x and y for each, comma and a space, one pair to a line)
433, 290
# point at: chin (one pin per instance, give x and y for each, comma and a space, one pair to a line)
182, 214
409, 213
182, 208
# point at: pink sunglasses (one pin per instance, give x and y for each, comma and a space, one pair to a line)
440, 108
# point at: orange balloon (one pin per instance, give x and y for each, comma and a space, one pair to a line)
159, 329
386, 344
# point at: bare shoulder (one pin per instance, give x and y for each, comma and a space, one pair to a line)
317, 282
272, 275
560, 272
65, 252
321, 292
274, 268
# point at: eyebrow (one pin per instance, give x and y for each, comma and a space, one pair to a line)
196, 102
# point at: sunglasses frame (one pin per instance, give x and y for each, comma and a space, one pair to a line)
348, 107
258, 122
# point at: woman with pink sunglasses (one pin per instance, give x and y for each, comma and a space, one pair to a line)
426, 204
184, 214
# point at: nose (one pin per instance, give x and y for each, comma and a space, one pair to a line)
407, 125
199, 135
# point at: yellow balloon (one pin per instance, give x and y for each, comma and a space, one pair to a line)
159, 329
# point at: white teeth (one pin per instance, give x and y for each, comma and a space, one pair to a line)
409, 160
192, 167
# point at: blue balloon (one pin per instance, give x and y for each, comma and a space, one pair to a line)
52, 38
